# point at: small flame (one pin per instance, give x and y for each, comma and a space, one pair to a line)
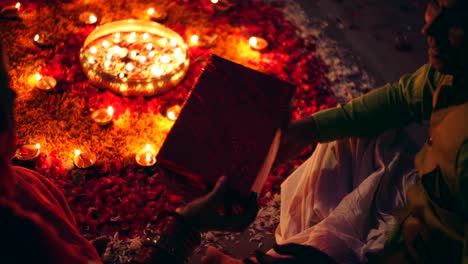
173, 42
77, 152
194, 39
92, 19
214, 1
93, 50
36, 37
148, 157
253, 41
151, 11
148, 147
171, 115
38, 76
38, 146
110, 110
105, 44
18, 5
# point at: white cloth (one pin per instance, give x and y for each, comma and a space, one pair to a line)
340, 200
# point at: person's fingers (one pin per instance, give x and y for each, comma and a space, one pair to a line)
212, 256
303, 252
219, 190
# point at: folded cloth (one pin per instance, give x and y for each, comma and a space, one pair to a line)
341, 199
39, 205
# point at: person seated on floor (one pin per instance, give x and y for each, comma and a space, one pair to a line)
37, 225
366, 194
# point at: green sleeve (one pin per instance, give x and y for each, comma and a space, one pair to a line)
390, 106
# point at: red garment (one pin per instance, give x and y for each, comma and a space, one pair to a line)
40, 206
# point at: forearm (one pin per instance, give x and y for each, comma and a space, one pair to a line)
299, 135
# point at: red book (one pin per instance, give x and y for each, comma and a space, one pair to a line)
229, 125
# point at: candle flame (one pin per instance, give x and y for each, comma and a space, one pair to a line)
149, 46
165, 59
173, 42
110, 110
156, 71
93, 50
38, 76
214, 1
36, 37
171, 115
194, 39
92, 19
178, 52
253, 41
150, 11
18, 5
117, 35
38, 146
148, 157
105, 44
142, 59
77, 152
148, 147
129, 67
145, 36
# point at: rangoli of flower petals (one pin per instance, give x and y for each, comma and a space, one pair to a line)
117, 195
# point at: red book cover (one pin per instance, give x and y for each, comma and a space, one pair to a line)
229, 125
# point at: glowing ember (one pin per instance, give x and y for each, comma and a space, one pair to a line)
148, 57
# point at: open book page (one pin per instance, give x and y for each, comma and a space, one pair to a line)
267, 164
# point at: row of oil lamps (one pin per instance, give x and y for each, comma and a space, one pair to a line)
157, 14
146, 157
103, 117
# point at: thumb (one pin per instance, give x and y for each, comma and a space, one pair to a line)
219, 189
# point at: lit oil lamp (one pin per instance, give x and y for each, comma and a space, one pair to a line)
42, 42
11, 11
45, 83
28, 152
84, 160
103, 116
88, 18
146, 157
204, 41
222, 5
173, 112
157, 14
258, 43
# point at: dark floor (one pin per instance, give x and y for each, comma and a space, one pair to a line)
368, 29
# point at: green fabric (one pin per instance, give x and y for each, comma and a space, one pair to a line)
390, 106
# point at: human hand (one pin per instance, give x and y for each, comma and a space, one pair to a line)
214, 256
294, 254
299, 135
202, 213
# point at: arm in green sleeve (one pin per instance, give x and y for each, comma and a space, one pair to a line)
390, 106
